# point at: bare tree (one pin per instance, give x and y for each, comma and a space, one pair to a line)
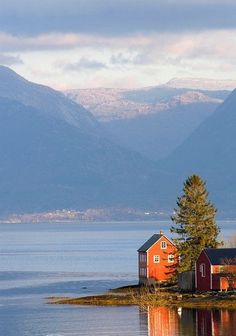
229, 271
231, 242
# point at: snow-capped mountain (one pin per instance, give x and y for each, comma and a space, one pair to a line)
152, 121
114, 104
111, 104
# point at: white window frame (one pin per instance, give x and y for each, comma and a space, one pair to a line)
202, 270
156, 259
171, 258
163, 245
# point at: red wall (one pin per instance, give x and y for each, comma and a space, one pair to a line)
160, 271
203, 283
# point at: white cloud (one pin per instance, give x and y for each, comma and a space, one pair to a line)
141, 60
10, 59
219, 43
82, 64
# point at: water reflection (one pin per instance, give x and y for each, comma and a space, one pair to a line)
216, 322
164, 321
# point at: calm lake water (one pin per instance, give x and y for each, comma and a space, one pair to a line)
76, 259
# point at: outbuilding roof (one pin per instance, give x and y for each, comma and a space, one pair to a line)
150, 242
219, 256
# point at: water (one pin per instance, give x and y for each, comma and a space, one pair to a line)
75, 259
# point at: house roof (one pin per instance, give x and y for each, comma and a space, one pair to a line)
150, 242
218, 256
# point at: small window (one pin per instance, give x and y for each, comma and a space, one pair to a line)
202, 270
163, 245
143, 272
142, 258
171, 258
156, 259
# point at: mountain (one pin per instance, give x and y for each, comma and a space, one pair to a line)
115, 104
152, 121
55, 155
211, 152
48, 101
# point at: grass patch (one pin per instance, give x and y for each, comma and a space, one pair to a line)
140, 296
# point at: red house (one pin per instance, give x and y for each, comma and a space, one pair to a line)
216, 269
157, 259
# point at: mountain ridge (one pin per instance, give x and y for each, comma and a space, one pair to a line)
42, 97
115, 104
48, 163
152, 121
210, 152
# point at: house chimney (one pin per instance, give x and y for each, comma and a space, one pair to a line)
161, 232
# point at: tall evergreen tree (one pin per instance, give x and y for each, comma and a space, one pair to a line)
195, 224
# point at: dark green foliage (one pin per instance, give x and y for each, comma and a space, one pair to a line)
195, 224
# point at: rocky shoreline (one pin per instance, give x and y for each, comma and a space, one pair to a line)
135, 295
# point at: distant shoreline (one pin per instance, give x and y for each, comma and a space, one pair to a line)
99, 220
125, 214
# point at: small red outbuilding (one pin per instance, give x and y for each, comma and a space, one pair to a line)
216, 269
157, 259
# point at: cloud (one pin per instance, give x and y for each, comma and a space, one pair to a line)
137, 49
118, 17
10, 60
139, 59
9, 42
83, 64
131, 59
121, 59
65, 42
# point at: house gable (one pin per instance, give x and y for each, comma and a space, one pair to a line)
161, 259
152, 241
218, 262
203, 280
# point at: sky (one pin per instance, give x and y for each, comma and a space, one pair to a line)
69, 44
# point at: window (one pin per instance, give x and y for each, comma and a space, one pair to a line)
143, 272
163, 245
202, 270
142, 258
156, 259
171, 258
